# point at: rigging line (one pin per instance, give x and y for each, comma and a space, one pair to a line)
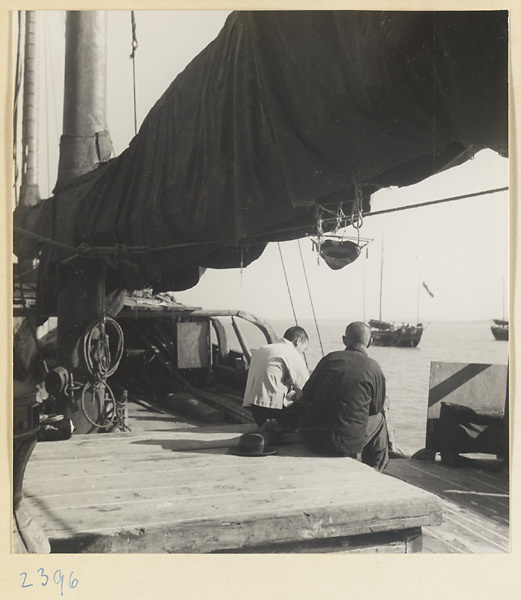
43, 239
133, 57
287, 283
310, 298
84, 249
432, 202
251, 240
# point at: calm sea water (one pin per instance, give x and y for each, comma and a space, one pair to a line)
407, 370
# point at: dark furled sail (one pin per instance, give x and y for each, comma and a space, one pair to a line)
282, 113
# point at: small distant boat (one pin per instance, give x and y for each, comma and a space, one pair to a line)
399, 336
384, 333
500, 329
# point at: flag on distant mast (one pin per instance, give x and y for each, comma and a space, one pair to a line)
428, 290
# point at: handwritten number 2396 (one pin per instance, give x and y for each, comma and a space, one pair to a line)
58, 578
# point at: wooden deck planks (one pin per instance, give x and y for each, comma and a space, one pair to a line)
478, 491
475, 505
226, 478
183, 492
484, 532
462, 478
168, 486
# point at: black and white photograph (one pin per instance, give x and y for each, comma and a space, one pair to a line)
262, 285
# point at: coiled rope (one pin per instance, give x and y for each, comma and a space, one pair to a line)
101, 364
102, 405
96, 348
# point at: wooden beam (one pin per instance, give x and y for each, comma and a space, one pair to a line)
81, 300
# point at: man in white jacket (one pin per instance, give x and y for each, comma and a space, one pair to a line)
276, 377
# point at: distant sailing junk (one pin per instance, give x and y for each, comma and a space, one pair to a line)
500, 329
389, 334
403, 336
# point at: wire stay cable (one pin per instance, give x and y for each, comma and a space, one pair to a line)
310, 298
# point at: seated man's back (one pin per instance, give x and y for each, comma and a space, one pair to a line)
345, 398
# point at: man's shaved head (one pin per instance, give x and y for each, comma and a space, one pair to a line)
357, 334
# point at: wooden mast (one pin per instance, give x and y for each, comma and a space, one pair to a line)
84, 144
29, 190
364, 289
418, 299
27, 533
503, 288
24, 273
85, 141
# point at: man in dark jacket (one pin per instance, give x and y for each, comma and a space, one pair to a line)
345, 397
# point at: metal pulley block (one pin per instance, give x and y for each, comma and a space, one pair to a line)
60, 381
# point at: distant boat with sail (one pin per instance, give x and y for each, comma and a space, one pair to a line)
384, 333
399, 336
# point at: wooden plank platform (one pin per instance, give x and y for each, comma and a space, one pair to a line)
475, 501
175, 488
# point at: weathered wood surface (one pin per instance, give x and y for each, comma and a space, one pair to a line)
475, 500
180, 491
404, 541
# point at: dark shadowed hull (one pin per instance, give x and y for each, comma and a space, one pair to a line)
398, 337
500, 332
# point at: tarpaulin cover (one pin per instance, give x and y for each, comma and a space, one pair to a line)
282, 112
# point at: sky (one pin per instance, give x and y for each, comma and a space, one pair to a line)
459, 249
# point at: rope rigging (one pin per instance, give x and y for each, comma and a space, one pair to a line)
319, 229
310, 298
357, 212
330, 220
287, 284
121, 249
